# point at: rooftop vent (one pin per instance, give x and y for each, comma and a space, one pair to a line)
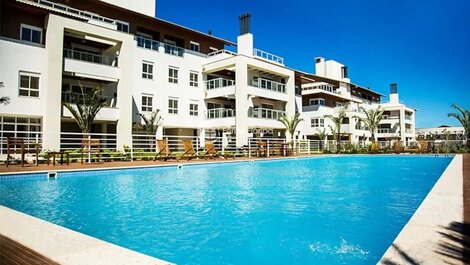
393, 88
245, 23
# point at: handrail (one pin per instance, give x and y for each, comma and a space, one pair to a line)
268, 56
90, 57
220, 52
268, 84
65, 8
147, 43
263, 113
219, 82
220, 113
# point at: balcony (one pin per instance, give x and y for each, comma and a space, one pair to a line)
220, 113
408, 117
218, 83
262, 113
88, 65
91, 57
384, 131
268, 56
147, 43
269, 85
110, 102
173, 50
108, 113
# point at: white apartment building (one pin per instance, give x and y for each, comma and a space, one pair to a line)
439, 133
48, 48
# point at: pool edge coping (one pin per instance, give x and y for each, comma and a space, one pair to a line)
424, 234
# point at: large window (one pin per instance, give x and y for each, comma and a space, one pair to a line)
147, 103
317, 102
22, 127
173, 106
29, 85
193, 79
193, 109
147, 70
317, 122
195, 46
122, 26
31, 33
173, 75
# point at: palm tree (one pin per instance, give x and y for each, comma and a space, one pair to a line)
291, 124
322, 136
4, 100
372, 120
464, 118
85, 106
151, 122
337, 121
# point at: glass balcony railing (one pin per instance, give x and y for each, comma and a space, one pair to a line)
173, 50
384, 131
219, 82
269, 85
268, 56
147, 43
91, 57
72, 97
263, 113
408, 117
220, 113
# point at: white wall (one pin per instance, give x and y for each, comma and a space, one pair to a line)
146, 7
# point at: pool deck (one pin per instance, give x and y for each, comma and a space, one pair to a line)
438, 232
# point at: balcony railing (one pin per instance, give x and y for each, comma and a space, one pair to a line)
408, 117
90, 57
147, 43
268, 56
74, 11
68, 97
220, 52
263, 113
269, 85
173, 50
219, 82
220, 113
384, 131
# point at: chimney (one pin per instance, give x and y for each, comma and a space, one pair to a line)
394, 94
320, 66
245, 39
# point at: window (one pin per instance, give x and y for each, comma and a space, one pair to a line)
267, 106
317, 102
30, 33
173, 75
317, 122
193, 77
173, 106
29, 85
147, 103
211, 105
195, 46
212, 49
147, 70
193, 109
122, 26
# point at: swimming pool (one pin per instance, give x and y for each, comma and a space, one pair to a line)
325, 210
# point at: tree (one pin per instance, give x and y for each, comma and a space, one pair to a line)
322, 136
151, 122
291, 123
337, 121
4, 100
464, 118
85, 106
372, 120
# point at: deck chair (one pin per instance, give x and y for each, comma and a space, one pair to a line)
90, 146
164, 151
398, 147
262, 149
189, 152
15, 145
211, 152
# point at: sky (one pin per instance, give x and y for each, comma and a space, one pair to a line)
423, 46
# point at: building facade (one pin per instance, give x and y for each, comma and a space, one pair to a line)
51, 50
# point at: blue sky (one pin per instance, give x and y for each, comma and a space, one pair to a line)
424, 46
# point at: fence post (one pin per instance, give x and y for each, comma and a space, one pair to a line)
223, 145
308, 147
267, 155
132, 148
249, 148
89, 149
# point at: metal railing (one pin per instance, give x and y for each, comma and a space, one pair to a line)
220, 113
147, 43
268, 84
263, 113
384, 131
268, 56
74, 11
173, 50
219, 82
90, 57
222, 51
408, 117
110, 102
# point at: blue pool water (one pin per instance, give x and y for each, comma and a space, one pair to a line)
331, 210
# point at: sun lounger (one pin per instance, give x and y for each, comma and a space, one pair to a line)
164, 152
189, 152
211, 152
